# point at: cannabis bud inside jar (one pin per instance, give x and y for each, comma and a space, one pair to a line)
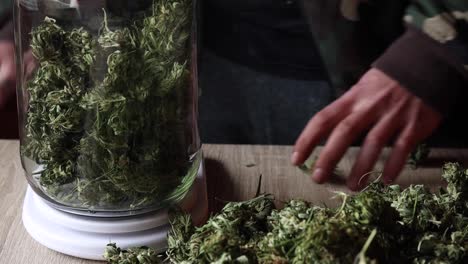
108, 116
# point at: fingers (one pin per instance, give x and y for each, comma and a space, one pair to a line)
400, 152
317, 128
422, 122
375, 141
376, 97
338, 142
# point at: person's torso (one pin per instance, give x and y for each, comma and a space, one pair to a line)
267, 35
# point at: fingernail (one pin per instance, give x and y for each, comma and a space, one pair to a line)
318, 175
295, 158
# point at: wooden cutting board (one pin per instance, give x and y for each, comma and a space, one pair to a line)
234, 171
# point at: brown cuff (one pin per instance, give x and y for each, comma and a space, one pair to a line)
426, 68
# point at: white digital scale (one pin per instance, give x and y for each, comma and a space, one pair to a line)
86, 237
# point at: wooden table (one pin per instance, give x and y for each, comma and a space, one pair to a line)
233, 174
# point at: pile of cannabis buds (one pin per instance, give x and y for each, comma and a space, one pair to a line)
107, 111
381, 224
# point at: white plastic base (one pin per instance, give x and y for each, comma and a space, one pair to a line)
86, 237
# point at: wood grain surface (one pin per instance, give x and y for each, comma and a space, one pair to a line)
233, 174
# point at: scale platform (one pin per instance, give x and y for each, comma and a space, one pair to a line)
86, 237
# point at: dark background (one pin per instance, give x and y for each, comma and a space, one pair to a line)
260, 74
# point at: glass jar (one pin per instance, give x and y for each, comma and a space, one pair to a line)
108, 94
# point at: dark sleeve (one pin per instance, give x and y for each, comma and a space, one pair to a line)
430, 59
6, 15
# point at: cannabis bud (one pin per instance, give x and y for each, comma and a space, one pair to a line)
141, 255
382, 224
419, 155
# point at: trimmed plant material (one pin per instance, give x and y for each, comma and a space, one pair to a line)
140, 255
419, 155
382, 224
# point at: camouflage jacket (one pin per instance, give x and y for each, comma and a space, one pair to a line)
423, 44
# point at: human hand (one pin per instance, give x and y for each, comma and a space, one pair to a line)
380, 104
7, 72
